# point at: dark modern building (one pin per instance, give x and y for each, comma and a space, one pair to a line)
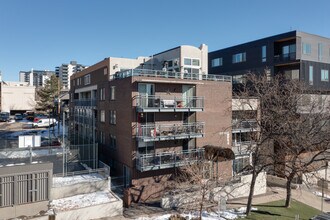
295, 54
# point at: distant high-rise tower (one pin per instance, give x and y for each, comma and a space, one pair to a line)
64, 72
35, 78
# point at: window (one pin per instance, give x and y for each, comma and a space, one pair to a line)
102, 137
320, 51
187, 61
191, 62
102, 94
240, 163
263, 54
87, 79
112, 117
195, 62
307, 48
191, 70
113, 141
239, 57
325, 75
311, 75
216, 62
102, 116
112, 92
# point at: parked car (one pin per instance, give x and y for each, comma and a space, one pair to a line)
18, 116
4, 116
29, 115
44, 123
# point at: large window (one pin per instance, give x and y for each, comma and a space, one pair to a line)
306, 48
87, 79
239, 57
102, 116
102, 137
102, 94
216, 62
113, 141
325, 75
311, 75
112, 92
264, 53
191, 62
112, 117
320, 51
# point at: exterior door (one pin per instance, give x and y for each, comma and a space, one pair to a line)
188, 92
146, 91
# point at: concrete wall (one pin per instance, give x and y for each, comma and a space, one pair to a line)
17, 96
236, 190
79, 188
278, 182
30, 209
93, 212
314, 177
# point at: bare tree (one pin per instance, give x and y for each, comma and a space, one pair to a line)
299, 132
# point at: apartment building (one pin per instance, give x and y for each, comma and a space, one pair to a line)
153, 114
295, 54
35, 78
65, 71
17, 97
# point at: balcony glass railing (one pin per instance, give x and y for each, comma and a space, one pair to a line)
85, 102
145, 162
85, 120
285, 57
243, 147
169, 74
151, 102
246, 125
152, 132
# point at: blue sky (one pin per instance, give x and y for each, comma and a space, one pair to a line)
42, 34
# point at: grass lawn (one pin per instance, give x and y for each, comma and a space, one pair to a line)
276, 210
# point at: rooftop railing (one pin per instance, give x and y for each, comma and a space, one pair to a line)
158, 132
166, 103
145, 162
169, 74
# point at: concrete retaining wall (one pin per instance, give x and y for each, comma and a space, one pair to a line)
79, 188
93, 212
279, 182
235, 190
315, 177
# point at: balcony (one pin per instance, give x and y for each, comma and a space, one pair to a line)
85, 120
169, 75
243, 147
287, 57
85, 102
153, 103
146, 162
239, 126
160, 132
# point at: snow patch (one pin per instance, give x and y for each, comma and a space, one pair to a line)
26, 153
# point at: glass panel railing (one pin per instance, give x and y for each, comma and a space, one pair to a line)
146, 162
170, 130
169, 74
161, 102
85, 102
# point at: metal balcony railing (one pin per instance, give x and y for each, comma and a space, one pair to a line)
85, 102
244, 125
145, 103
158, 132
145, 162
85, 120
169, 74
285, 57
243, 147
